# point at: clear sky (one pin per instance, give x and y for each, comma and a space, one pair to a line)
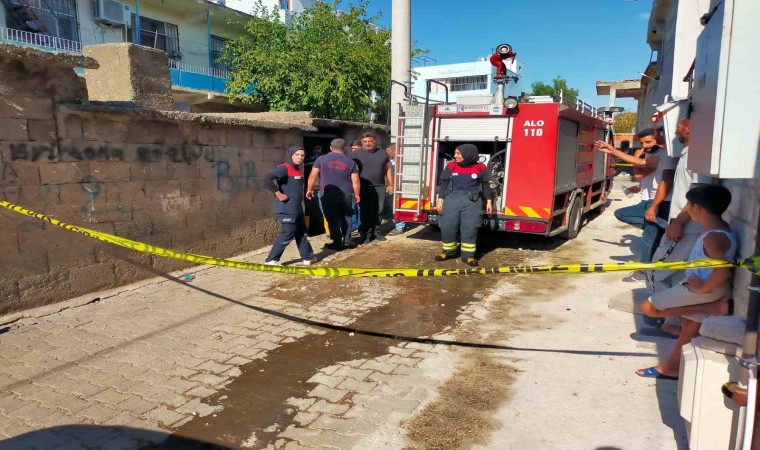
581, 40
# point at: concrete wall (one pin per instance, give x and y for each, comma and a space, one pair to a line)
743, 217
181, 184
679, 28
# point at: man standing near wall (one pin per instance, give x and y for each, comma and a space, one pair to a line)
338, 188
376, 182
656, 170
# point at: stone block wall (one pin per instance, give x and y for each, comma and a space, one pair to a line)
182, 181
183, 185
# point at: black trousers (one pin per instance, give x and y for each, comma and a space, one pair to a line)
337, 208
373, 202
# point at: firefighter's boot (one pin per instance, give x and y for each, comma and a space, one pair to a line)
450, 251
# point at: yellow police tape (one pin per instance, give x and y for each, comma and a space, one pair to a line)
752, 264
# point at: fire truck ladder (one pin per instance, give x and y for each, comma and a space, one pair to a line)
413, 151
26, 14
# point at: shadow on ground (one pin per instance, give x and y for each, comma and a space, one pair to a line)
96, 436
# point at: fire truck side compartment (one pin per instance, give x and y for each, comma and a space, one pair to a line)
567, 156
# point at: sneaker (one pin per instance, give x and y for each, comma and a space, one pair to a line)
272, 263
334, 246
350, 244
472, 262
635, 277
306, 262
394, 232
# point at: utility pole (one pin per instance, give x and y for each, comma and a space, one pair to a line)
401, 58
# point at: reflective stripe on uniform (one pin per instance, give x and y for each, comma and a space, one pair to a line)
449, 245
468, 247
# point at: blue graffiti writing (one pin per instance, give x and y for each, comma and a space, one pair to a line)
225, 182
93, 188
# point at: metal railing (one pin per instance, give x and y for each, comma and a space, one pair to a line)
201, 70
579, 105
39, 40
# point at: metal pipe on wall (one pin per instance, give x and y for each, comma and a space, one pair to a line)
401, 59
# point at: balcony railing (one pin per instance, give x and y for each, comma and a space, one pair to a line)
38, 40
199, 78
200, 70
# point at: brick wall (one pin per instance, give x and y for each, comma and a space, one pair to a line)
185, 184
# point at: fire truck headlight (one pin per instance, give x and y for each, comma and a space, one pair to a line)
510, 103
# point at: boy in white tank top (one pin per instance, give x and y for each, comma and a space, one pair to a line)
705, 291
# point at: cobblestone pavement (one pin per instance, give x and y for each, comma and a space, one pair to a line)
227, 359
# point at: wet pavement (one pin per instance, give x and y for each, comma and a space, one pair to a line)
236, 359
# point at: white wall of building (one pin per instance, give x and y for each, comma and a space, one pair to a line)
677, 27
469, 69
246, 6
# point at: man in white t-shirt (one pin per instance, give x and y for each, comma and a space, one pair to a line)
656, 172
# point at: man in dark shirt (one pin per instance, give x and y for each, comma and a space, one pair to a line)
338, 186
376, 181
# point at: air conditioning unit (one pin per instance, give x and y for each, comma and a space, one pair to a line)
111, 12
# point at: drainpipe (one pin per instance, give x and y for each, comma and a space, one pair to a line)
208, 37
137, 22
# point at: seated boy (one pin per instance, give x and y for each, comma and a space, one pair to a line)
704, 291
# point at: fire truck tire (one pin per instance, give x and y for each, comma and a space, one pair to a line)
574, 220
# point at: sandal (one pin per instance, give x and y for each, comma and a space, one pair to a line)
651, 372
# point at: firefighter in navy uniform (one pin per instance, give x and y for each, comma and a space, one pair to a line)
287, 183
464, 185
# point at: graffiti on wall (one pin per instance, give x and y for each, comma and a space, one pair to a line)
93, 189
184, 153
225, 182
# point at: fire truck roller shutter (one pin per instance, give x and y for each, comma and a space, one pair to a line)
599, 166
470, 129
567, 155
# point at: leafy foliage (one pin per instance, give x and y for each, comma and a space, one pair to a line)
624, 122
325, 61
558, 84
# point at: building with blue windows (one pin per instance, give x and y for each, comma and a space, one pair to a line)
193, 33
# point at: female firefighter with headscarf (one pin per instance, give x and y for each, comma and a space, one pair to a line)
464, 184
287, 183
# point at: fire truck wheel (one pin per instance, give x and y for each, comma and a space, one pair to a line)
574, 221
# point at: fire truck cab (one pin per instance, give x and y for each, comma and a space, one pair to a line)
539, 150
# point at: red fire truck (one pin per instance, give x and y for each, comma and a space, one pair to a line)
539, 151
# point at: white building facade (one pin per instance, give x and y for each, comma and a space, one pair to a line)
471, 78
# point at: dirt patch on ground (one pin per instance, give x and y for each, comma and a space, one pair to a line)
463, 414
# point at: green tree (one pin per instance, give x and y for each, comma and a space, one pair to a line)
624, 122
558, 84
326, 61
